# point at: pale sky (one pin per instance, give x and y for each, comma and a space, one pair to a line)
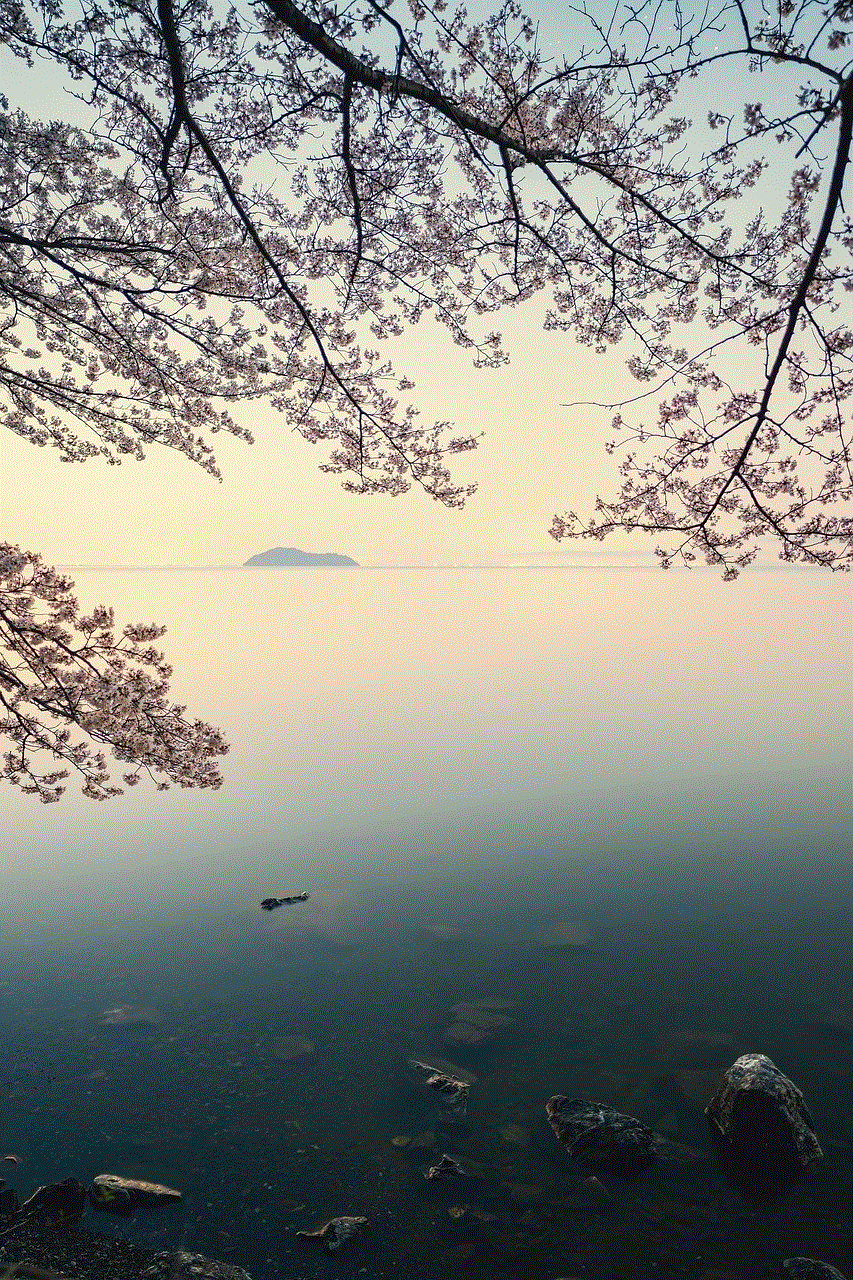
536, 458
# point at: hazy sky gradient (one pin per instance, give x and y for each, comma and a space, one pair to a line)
535, 459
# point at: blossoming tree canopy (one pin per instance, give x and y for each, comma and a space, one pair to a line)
253, 198
249, 201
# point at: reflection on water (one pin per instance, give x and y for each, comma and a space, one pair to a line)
607, 808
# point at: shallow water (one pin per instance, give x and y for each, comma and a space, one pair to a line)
451, 763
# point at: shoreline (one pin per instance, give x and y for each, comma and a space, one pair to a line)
32, 1250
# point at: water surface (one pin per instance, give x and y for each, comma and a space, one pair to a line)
451, 762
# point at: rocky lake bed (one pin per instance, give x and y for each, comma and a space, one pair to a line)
477, 1177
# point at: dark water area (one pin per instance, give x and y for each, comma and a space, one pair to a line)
638, 916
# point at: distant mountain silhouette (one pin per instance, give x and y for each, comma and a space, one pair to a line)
292, 557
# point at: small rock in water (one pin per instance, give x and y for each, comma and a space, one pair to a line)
586, 1196
111, 1193
270, 904
593, 1191
10, 1159
454, 1092
57, 1202
291, 1206
810, 1269
599, 1137
191, 1266
447, 1167
334, 1233
762, 1115
129, 1015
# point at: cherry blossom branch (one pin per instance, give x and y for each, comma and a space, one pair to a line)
59, 669
833, 200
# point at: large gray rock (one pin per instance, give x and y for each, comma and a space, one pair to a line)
111, 1193
603, 1139
191, 1266
761, 1115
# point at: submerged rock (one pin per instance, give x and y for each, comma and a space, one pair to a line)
334, 1233
601, 1138
191, 1266
592, 1194
57, 1202
477, 1020
289, 1048
587, 1196
524, 1192
110, 1193
762, 1115
129, 1015
447, 1167
421, 1142
453, 1091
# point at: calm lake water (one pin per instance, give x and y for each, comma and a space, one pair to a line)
452, 763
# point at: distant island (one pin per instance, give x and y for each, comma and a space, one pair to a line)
292, 557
